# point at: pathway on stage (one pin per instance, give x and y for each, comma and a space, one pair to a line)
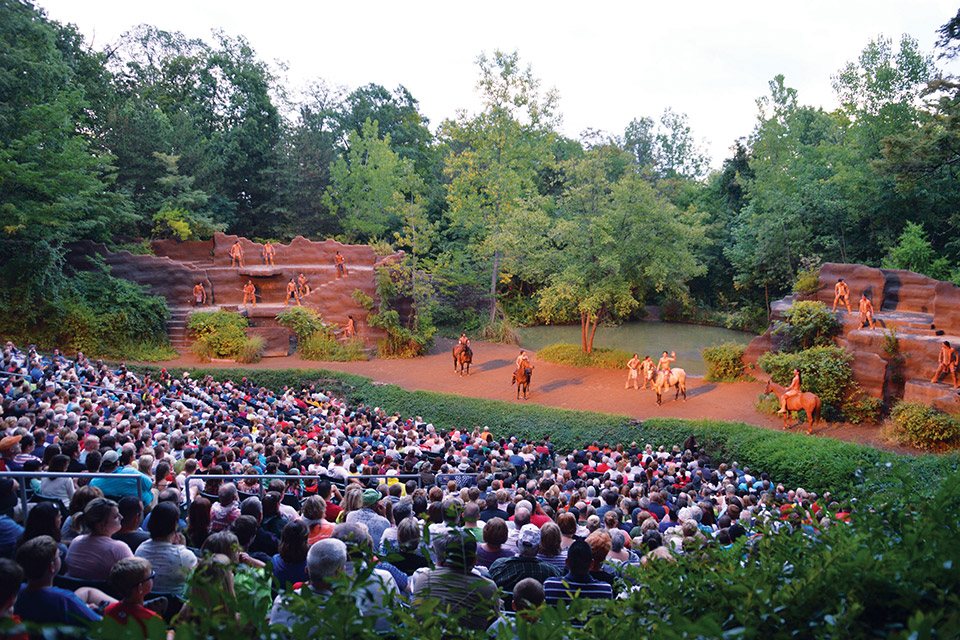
561, 386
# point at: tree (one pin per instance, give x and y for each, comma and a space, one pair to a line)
495, 157
614, 241
914, 253
365, 186
667, 149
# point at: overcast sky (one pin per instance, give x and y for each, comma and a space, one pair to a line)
609, 61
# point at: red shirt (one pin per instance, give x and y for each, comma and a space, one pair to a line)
122, 612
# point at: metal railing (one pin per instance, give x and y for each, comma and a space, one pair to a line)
27, 475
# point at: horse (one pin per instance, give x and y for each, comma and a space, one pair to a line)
677, 378
521, 378
463, 356
809, 402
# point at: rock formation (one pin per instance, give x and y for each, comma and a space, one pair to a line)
176, 267
922, 311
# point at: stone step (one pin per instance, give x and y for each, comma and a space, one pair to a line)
925, 392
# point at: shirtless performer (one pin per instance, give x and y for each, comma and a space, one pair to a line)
791, 391
464, 340
302, 287
646, 370
866, 311
947, 362
199, 295
341, 265
268, 253
236, 255
523, 360
292, 292
841, 293
350, 329
665, 360
633, 372
249, 293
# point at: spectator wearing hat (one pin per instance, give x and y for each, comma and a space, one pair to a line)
371, 515
507, 572
125, 484
9, 448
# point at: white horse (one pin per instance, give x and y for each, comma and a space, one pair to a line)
674, 378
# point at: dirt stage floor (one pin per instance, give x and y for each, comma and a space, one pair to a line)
563, 386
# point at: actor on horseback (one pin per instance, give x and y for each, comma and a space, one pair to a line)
791, 391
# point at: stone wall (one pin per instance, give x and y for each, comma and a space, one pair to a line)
922, 311
177, 266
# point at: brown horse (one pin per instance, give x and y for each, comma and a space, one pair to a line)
521, 378
677, 378
463, 356
809, 402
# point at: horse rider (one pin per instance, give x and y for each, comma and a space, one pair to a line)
791, 391
665, 360
523, 361
464, 340
633, 372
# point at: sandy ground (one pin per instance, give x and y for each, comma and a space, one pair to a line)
563, 386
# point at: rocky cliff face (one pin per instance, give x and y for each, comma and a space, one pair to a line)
177, 266
922, 311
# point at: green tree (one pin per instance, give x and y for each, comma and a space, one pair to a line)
365, 186
494, 161
914, 253
614, 241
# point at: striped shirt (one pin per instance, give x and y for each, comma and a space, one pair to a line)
569, 587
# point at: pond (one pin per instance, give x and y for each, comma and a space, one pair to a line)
645, 338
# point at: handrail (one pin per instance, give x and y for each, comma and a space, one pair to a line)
25, 475
9, 374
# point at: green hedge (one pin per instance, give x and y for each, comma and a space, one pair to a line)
724, 362
816, 464
573, 355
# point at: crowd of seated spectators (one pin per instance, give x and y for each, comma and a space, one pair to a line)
481, 522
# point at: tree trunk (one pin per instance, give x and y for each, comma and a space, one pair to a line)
493, 286
593, 331
766, 298
583, 331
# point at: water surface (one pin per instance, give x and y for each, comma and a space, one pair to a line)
645, 338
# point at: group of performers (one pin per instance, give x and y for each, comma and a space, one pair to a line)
643, 370
865, 309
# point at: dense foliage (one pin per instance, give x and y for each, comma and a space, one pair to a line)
724, 362
925, 427
161, 135
825, 371
807, 324
573, 355
222, 334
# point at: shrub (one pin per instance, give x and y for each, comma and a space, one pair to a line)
807, 324
808, 278
573, 355
500, 330
252, 349
724, 362
303, 321
321, 345
860, 408
219, 334
925, 427
825, 371
767, 403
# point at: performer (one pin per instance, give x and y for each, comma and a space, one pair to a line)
841, 293
792, 390
350, 329
464, 340
665, 360
633, 372
199, 295
523, 360
267, 253
866, 311
302, 287
292, 292
647, 368
236, 255
341, 265
249, 293
947, 361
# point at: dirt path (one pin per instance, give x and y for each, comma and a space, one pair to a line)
562, 386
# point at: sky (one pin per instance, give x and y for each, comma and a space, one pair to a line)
610, 63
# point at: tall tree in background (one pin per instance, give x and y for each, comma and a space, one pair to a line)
614, 242
495, 157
